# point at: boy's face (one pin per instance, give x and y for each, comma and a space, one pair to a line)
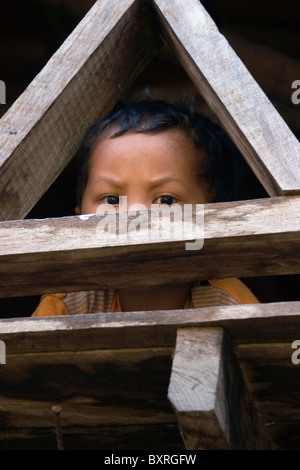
147, 168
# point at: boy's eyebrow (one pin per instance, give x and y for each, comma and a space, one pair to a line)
107, 179
156, 181
164, 179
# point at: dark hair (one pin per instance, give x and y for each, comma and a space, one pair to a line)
150, 116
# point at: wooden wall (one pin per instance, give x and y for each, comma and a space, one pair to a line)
137, 346
266, 38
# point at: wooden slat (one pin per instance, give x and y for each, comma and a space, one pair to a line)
213, 406
242, 239
253, 323
108, 387
141, 437
273, 70
269, 369
257, 129
82, 81
50, 361
97, 391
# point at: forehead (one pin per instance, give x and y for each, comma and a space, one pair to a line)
170, 145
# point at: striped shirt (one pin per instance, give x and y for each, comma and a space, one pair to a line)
211, 293
106, 300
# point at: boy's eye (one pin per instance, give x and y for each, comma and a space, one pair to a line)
114, 200
166, 200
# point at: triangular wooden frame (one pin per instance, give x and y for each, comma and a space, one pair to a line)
81, 82
84, 79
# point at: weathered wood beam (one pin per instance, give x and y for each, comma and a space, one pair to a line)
94, 388
142, 437
116, 348
241, 239
82, 81
257, 129
245, 324
274, 71
213, 406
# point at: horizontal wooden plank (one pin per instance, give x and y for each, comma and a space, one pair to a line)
119, 354
272, 377
253, 323
241, 239
96, 390
82, 81
255, 126
279, 409
110, 387
141, 437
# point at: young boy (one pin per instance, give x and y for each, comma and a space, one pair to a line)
153, 152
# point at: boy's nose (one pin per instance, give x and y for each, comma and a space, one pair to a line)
136, 203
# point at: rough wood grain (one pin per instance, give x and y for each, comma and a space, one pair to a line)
52, 359
269, 369
212, 403
242, 239
108, 387
257, 129
97, 390
277, 322
141, 437
274, 71
82, 81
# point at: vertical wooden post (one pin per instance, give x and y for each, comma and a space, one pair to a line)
207, 390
